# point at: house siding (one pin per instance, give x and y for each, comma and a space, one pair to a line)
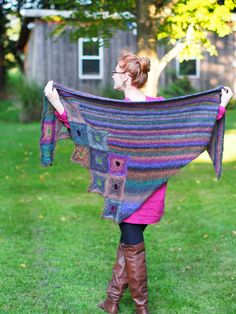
50, 58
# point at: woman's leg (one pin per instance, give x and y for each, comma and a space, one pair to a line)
131, 234
119, 282
117, 285
135, 263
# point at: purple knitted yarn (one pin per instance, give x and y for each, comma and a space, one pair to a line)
132, 148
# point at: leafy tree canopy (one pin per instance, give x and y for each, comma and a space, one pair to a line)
169, 21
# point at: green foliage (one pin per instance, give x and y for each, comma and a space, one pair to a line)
29, 95
231, 105
188, 21
193, 20
10, 23
110, 92
96, 18
178, 87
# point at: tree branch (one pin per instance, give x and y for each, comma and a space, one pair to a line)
171, 55
177, 48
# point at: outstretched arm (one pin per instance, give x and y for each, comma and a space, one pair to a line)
52, 95
226, 95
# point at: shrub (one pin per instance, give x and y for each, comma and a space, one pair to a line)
29, 94
109, 92
178, 87
31, 100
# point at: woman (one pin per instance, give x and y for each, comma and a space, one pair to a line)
130, 75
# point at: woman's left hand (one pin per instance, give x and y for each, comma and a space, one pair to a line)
226, 95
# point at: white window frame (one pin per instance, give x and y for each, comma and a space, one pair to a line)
196, 76
98, 57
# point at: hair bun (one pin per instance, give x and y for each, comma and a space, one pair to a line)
145, 64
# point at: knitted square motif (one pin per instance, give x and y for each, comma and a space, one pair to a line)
79, 133
48, 132
98, 139
111, 209
115, 187
80, 155
73, 112
61, 130
98, 181
98, 160
117, 164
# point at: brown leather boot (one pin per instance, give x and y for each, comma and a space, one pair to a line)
117, 285
135, 262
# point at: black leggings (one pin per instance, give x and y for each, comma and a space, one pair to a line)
131, 234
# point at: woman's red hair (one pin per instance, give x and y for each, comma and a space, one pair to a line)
138, 68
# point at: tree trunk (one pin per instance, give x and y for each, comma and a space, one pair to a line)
147, 43
146, 12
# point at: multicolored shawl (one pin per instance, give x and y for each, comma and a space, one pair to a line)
132, 148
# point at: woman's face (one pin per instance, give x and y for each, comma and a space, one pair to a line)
119, 78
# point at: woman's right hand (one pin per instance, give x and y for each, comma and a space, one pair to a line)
52, 95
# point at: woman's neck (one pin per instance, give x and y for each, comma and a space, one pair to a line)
134, 94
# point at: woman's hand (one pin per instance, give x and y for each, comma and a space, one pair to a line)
52, 95
226, 95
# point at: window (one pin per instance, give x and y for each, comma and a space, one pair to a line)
190, 68
90, 59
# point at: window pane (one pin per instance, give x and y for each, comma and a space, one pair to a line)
90, 48
188, 67
90, 67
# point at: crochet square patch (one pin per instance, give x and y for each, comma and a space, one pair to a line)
115, 187
79, 133
80, 155
111, 209
98, 160
48, 132
98, 181
97, 139
117, 164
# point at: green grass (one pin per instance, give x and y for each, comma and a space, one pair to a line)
56, 254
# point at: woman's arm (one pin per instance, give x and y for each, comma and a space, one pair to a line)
52, 95
221, 112
226, 95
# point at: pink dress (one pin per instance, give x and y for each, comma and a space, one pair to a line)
151, 211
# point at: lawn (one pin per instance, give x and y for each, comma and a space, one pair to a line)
56, 253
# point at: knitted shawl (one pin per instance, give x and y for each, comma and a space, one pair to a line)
132, 148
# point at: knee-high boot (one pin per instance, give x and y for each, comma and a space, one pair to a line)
117, 285
135, 262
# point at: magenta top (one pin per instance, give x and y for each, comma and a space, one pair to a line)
151, 211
